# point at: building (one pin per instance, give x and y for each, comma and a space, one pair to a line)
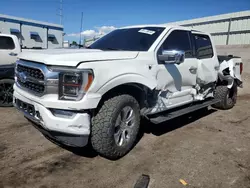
66, 44
226, 29
31, 33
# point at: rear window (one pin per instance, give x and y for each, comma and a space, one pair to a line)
203, 46
6, 43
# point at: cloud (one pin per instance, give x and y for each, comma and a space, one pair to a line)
93, 33
105, 29
89, 33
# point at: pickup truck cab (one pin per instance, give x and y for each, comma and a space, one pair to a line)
99, 95
9, 50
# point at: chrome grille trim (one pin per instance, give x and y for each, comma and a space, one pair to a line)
33, 82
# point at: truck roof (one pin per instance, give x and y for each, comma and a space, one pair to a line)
166, 26
6, 35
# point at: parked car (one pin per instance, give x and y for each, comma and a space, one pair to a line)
98, 95
9, 50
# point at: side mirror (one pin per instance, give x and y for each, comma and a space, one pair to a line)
172, 56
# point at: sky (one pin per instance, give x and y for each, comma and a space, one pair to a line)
100, 17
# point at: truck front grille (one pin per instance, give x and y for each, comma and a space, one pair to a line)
31, 79
38, 88
32, 72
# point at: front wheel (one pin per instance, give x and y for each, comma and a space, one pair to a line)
115, 127
6, 92
227, 97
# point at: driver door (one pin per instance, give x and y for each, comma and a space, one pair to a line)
176, 81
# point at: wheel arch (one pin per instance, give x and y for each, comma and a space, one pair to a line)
7, 72
124, 79
133, 84
137, 90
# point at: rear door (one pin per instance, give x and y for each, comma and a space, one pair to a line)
9, 49
208, 64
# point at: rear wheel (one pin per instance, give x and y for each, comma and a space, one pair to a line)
227, 97
6, 92
115, 127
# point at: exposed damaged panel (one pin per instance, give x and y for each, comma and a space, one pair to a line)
176, 77
206, 73
230, 70
164, 100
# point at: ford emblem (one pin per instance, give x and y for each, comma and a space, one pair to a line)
22, 77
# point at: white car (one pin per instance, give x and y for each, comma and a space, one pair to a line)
98, 95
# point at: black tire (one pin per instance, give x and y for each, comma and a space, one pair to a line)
6, 92
104, 127
228, 97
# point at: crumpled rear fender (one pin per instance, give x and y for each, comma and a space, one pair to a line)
230, 71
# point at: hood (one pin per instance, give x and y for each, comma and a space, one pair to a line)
72, 57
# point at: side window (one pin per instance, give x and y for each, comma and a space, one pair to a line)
178, 40
6, 43
203, 46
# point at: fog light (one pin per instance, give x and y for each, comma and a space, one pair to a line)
63, 113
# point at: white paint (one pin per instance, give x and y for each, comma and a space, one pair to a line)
5, 57
51, 122
234, 70
72, 57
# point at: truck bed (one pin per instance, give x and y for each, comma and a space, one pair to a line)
222, 58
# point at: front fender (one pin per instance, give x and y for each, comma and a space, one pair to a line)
126, 79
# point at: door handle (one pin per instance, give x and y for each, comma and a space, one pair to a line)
13, 54
193, 70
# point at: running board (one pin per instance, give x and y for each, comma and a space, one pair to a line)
171, 114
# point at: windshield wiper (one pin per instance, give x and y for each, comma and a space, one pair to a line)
108, 48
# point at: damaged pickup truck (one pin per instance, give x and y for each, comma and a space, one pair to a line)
98, 95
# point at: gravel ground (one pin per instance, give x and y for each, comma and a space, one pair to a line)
209, 148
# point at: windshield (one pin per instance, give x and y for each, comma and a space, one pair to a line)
131, 39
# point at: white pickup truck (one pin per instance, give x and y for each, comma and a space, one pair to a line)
9, 50
98, 95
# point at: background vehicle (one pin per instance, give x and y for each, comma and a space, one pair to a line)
100, 94
9, 50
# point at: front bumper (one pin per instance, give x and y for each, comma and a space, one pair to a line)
64, 138
71, 130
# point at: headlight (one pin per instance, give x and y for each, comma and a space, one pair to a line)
73, 85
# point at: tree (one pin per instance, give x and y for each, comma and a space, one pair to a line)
74, 43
